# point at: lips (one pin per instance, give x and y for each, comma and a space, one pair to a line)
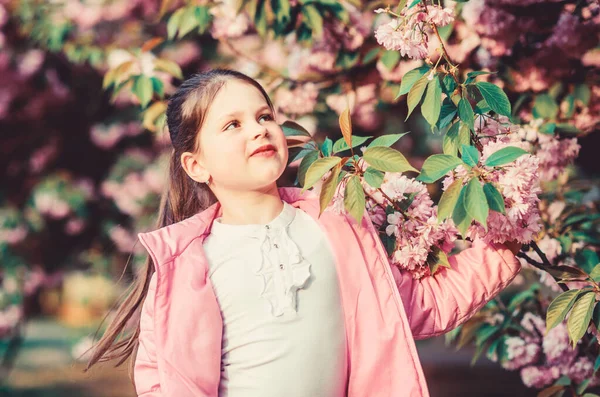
264, 148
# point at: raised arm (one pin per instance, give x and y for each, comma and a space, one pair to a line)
146, 370
435, 305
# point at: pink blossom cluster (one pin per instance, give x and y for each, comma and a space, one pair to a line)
42, 156
12, 228
416, 230
227, 23
337, 36
124, 240
518, 182
131, 188
361, 101
14, 235
107, 136
87, 14
298, 101
408, 33
587, 118
542, 358
554, 153
49, 203
19, 72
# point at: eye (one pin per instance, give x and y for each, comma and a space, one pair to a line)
266, 117
234, 124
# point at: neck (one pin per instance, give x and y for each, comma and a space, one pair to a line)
250, 207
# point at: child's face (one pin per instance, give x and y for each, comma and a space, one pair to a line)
238, 122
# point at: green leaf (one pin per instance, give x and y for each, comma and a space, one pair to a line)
495, 97
518, 299
291, 128
340, 145
449, 199
563, 381
386, 140
476, 203
173, 24
595, 274
450, 143
494, 198
413, 3
471, 75
567, 273
579, 319
158, 86
597, 362
318, 169
371, 55
329, 188
354, 198
168, 66
470, 155
465, 112
260, 17
504, 156
306, 162
387, 159
583, 386
482, 107
374, 177
567, 128
188, 22
313, 19
142, 88
447, 113
390, 59
282, 10
586, 259
327, 147
416, 93
410, 78
545, 107
436, 259
551, 391
548, 128
461, 218
432, 104
203, 16
436, 166
464, 135
582, 93
560, 306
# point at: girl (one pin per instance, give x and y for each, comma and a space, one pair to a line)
256, 295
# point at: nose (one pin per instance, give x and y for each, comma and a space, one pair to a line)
260, 131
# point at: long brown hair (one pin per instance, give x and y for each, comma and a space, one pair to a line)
183, 198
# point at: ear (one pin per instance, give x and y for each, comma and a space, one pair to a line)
191, 164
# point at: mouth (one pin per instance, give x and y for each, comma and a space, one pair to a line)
264, 151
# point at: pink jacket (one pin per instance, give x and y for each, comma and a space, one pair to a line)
385, 310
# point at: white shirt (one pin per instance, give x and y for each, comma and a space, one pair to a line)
283, 325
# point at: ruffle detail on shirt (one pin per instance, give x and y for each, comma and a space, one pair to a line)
294, 279
300, 271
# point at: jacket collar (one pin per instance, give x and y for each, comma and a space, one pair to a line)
168, 242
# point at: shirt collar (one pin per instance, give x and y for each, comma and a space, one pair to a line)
281, 221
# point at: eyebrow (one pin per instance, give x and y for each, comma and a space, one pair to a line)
237, 113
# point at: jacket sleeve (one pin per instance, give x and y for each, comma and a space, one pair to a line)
436, 305
145, 369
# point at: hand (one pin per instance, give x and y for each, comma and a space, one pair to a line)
513, 246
